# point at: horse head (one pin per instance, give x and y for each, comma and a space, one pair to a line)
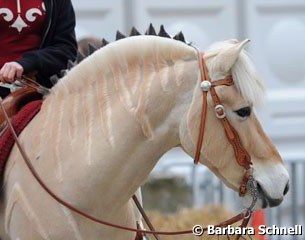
224, 59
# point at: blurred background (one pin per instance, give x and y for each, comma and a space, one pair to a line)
277, 32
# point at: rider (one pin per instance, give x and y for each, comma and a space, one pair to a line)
36, 37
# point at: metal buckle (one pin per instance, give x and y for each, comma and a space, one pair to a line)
220, 111
248, 213
205, 85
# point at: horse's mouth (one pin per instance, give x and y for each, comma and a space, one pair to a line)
267, 201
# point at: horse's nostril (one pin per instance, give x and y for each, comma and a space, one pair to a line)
286, 189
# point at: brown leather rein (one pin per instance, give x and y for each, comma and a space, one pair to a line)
242, 157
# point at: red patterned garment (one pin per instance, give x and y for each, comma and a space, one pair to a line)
21, 27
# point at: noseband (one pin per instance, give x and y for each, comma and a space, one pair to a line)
208, 86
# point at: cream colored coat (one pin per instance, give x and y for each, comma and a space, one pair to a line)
105, 125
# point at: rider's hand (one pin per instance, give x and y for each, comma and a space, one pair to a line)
10, 71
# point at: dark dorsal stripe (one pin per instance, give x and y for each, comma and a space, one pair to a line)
92, 48
151, 30
180, 37
70, 64
163, 33
119, 35
104, 42
134, 32
80, 57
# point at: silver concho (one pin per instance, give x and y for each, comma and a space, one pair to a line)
220, 111
205, 85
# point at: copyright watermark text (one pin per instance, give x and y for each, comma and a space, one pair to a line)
198, 230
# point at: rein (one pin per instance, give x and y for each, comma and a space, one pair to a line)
27, 81
242, 157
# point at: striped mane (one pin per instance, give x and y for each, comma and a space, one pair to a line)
124, 54
124, 73
245, 77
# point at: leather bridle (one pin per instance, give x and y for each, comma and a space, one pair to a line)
207, 85
242, 157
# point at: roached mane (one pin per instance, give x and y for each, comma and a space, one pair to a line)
247, 82
134, 32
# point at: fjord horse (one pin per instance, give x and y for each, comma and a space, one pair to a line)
106, 123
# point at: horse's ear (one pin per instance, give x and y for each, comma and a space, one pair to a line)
227, 57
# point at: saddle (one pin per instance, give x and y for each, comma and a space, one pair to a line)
15, 101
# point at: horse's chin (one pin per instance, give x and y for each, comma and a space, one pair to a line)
263, 201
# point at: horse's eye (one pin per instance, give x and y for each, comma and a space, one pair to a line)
244, 112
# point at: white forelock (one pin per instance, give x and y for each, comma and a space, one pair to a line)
245, 76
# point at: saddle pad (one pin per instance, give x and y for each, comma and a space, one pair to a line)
19, 122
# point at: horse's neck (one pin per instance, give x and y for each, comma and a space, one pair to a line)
116, 129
